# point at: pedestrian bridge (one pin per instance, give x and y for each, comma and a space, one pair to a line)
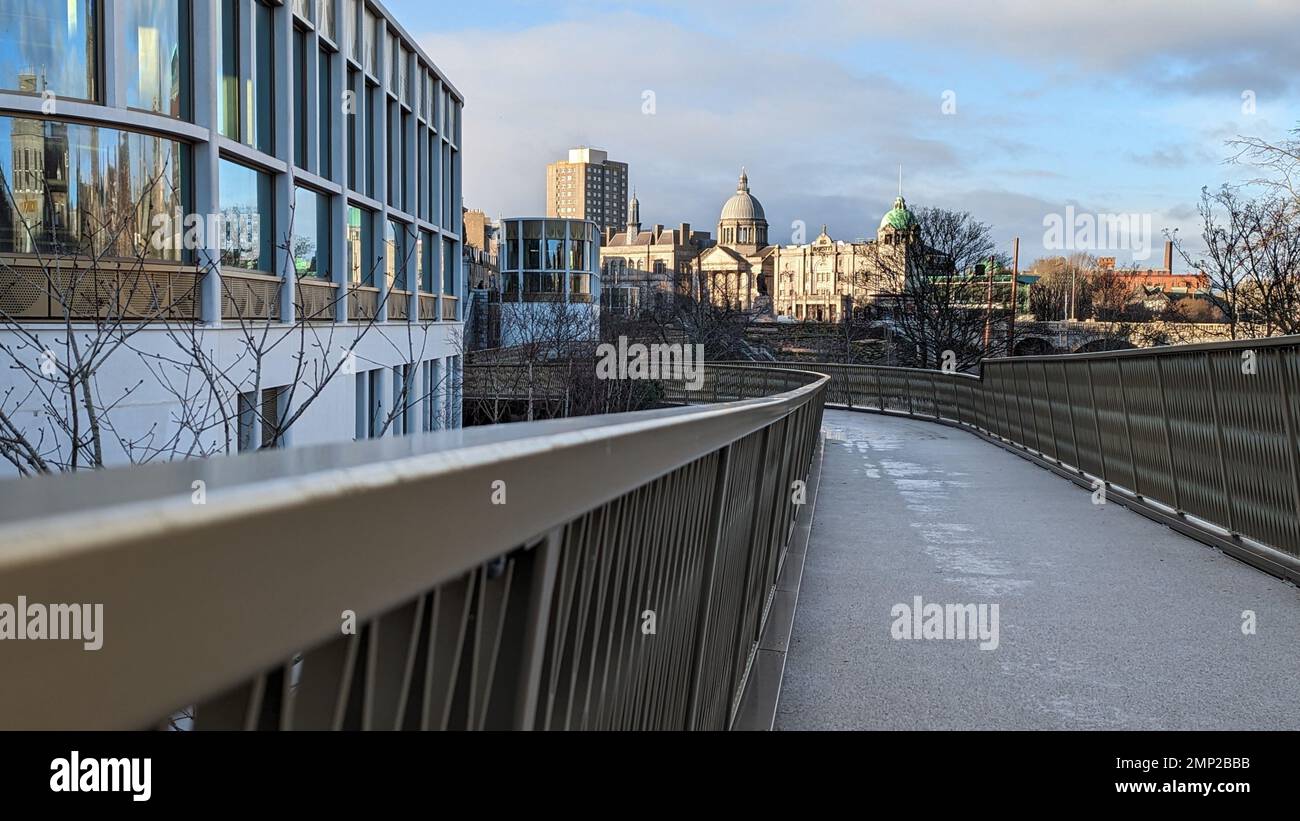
738, 561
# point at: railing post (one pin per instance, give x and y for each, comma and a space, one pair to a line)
880, 389
1290, 427
1074, 433
536, 628
1169, 448
708, 581
1218, 445
1096, 424
738, 671
1051, 415
1128, 430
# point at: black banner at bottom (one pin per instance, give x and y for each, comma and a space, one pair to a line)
135, 771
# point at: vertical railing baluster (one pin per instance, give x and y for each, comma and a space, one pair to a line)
1169, 448
1218, 445
1096, 423
1128, 430
708, 583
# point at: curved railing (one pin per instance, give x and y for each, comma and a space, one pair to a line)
600, 572
1200, 437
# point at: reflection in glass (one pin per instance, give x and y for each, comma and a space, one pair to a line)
247, 223
555, 245
580, 287
532, 244
395, 245
449, 260
84, 190
300, 98
424, 254
154, 55
261, 132
577, 246
360, 247
325, 19
325, 111
49, 45
311, 234
512, 248
228, 88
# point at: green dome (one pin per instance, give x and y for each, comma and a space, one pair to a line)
898, 217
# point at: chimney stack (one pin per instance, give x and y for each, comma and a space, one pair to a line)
1169, 257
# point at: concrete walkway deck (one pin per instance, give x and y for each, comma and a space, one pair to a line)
1106, 619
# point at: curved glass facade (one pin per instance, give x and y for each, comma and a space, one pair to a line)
50, 46
115, 178
89, 191
154, 55
549, 260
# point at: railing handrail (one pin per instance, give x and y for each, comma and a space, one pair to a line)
305, 534
1183, 434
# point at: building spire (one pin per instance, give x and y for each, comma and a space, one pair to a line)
743, 186
633, 216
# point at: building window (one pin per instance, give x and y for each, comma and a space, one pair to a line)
352, 31
50, 47
325, 118
449, 258
424, 253
361, 247
244, 104
532, 244
155, 55
311, 234
511, 249
300, 98
577, 246
368, 157
247, 203
394, 157
555, 245
261, 121
369, 41
404, 164
395, 254
325, 18
355, 131
228, 88
80, 190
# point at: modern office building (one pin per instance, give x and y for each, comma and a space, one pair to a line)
588, 186
550, 280
262, 199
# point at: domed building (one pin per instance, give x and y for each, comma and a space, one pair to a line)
742, 223
826, 280
738, 270
898, 224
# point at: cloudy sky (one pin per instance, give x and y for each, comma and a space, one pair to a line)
1110, 106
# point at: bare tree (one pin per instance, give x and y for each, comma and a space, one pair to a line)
933, 290
1279, 162
63, 409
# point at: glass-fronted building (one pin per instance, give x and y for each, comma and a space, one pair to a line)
296, 163
550, 279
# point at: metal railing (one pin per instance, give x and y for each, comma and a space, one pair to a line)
1203, 438
601, 572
